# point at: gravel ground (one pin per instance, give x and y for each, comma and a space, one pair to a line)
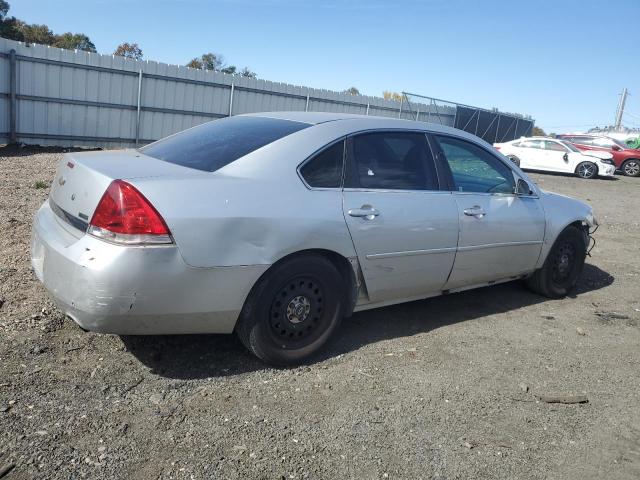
442, 388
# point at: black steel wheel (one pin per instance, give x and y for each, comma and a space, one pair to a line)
631, 168
297, 312
563, 266
587, 170
293, 310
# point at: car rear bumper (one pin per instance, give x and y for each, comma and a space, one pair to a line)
137, 290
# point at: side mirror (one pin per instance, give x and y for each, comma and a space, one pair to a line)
616, 148
565, 157
523, 188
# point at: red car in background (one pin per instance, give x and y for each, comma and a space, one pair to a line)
626, 159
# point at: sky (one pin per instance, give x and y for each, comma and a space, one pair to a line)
564, 62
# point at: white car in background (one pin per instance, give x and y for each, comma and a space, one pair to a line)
551, 155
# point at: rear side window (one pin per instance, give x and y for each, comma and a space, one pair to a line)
555, 146
474, 169
213, 145
325, 169
391, 161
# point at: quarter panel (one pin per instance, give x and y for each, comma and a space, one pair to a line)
229, 221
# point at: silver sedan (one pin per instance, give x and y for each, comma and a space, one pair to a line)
275, 226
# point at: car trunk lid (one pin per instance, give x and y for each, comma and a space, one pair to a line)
82, 178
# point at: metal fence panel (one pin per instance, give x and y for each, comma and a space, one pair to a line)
76, 98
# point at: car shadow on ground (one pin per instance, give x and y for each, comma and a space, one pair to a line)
206, 356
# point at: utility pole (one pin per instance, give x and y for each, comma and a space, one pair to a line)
620, 111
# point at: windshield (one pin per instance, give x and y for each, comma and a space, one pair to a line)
620, 143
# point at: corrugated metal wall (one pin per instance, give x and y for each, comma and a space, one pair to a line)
75, 98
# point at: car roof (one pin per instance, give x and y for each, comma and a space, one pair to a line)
356, 122
312, 118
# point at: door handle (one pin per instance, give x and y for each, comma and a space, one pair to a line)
475, 211
366, 212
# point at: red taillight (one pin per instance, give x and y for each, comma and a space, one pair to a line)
497, 148
124, 215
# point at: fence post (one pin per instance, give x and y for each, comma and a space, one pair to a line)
231, 99
12, 96
400, 109
138, 107
306, 107
367, 108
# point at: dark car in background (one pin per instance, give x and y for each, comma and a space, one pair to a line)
626, 159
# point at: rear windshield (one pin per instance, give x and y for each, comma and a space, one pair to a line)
213, 145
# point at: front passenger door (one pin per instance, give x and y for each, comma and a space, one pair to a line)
501, 233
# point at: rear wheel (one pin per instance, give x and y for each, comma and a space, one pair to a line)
514, 159
563, 266
587, 170
631, 168
293, 310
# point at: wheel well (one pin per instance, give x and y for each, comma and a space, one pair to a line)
341, 263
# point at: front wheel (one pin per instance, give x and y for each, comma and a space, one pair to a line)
631, 168
587, 170
293, 310
563, 266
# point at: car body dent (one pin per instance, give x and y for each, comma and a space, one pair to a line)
560, 212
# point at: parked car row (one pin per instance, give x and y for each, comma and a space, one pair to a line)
587, 156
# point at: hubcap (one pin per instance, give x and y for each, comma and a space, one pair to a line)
632, 168
297, 311
586, 170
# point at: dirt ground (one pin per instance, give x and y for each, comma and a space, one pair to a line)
443, 388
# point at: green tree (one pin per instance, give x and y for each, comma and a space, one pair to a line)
229, 70
74, 41
245, 72
352, 91
208, 61
4, 9
34, 33
10, 27
216, 63
129, 50
538, 132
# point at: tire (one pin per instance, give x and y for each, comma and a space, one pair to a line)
293, 310
587, 170
514, 159
563, 266
631, 168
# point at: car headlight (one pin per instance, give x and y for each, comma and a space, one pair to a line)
608, 161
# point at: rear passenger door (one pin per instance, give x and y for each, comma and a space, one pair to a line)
501, 233
404, 229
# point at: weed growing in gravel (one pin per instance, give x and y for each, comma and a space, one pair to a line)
40, 184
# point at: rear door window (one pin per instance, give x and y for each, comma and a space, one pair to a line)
215, 144
391, 161
325, 169
555, 146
